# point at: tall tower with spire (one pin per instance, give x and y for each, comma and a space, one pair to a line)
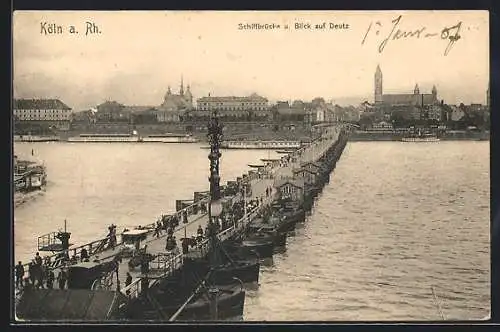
181, 91
378, 85
167, 95
188, 96
416, 90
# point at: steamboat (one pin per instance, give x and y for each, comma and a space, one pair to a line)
170, 138
106, 138
35, 138
29, 175
267, 145
420, 136
133, 138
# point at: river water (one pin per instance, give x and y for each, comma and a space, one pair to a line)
396, 221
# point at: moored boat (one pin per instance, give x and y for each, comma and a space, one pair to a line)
261, 145
29, 175
420, 135
162, 304
230, 303
289, 151
420, 139
105, 138
56, 305
223, 274
169, 138
259, 230
252, 248
36, 138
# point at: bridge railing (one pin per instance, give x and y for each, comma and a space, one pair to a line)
134, 289
61, 258
169, 266
95, 247
104, 282
73, 254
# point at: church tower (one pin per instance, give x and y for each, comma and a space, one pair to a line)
434, 94
378, 85
189, 96
167, 95
416, 91
181, 91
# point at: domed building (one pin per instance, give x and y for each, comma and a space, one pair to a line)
177, 102
174, 105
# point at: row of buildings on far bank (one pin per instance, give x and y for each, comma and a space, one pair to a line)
418, 107
387, 110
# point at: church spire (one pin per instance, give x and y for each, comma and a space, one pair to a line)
181, 92
434, 92
378, 85
416, 91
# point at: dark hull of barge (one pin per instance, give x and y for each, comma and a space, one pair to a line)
169, 294
75, 305
230, 303
246, 271
278, 239
252, 249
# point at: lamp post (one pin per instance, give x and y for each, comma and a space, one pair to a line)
214, 137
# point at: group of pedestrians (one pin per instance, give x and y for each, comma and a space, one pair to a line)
40, 274
166, 223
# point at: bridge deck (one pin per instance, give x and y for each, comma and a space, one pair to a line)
258, 184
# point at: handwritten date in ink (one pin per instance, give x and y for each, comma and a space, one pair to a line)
450, 33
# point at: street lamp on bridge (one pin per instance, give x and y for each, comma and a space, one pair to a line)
214, 137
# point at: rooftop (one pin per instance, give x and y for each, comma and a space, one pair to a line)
252, 97
42, 104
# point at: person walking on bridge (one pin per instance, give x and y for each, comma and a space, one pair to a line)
50, 279
61, 279
31, 272
128, 281
38, 259
19, 274
200, 233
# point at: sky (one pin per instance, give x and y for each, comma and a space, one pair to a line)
137, 54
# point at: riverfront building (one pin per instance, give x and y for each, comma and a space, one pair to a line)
177, 102
402, 99
52, 112
175, 105
254, 102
